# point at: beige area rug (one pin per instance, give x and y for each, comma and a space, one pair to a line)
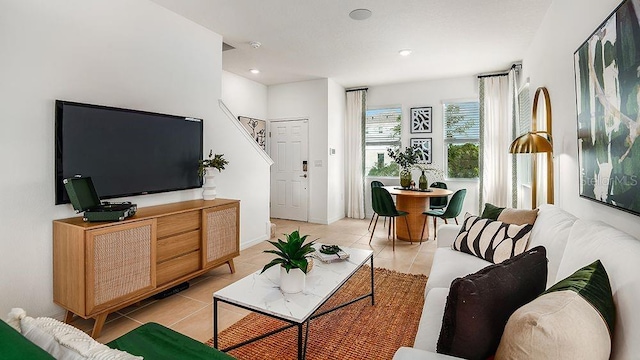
357, 331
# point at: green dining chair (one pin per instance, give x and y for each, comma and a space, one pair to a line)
375, 183
383, 205
438, 202
451, 212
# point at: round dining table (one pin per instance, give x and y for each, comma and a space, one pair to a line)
414, 202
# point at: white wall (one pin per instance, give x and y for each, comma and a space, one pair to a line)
335, 163
426, 93
245, 97
113, 52
308, 100
549, 62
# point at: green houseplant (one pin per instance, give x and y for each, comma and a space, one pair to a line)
214, 161
292, 258
405, 159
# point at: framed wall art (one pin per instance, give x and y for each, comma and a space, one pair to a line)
424, 149
608, 107
257, 129
421, 120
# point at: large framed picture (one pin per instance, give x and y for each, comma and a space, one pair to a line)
608, 88
421, 120
424, 150
257, 129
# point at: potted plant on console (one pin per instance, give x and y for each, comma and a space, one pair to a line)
205, 169
293, 261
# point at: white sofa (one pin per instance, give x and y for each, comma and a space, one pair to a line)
571, 243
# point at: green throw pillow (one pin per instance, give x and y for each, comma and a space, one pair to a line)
592, 283
491, 211
574, 319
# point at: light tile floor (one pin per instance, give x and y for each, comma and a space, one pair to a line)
190, 312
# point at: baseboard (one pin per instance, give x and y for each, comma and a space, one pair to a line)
250, 243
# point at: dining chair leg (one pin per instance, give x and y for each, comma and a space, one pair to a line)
371, 222
374, 230
391, 223
385, 221
456, 219
408, 230
424, 224
434, 227
445, 221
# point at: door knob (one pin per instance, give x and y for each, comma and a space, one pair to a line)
304, 176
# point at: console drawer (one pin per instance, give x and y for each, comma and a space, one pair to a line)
178, 267
177, 245
178, 223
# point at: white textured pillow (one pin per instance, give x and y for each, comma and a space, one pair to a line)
559, 325
491, 240
65, 342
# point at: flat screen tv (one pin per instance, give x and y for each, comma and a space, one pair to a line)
125, 152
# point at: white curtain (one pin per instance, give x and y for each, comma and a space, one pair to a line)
354, 123
496, 124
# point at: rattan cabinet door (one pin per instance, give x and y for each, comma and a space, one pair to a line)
121, 263
220, 233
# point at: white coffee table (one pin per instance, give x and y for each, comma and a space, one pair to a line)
261, 293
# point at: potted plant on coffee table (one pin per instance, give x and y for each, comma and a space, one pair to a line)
292, 258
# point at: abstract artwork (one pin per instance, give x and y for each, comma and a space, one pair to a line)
608, 104
257, 129
421, 120
424, 150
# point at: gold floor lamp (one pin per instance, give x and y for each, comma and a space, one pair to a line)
535, 142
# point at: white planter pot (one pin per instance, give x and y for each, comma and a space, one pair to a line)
209, 187
293, 281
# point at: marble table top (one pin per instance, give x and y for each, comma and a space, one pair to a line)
261, 292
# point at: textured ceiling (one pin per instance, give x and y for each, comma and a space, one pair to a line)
311, 39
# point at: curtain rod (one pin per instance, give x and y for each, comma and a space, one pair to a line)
357, 89
516, 66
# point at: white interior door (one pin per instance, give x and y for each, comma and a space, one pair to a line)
289, 175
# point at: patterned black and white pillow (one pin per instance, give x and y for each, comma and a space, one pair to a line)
491, 240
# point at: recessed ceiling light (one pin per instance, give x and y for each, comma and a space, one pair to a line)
360, 14
255, 44
405, 52
254, 71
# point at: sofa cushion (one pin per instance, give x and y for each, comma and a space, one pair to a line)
431, 320
491, 240
491, 211
619, 253
449, 264
551, 230
571, 320
479, 305
518, 216
65, 342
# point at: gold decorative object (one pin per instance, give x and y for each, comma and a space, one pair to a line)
538, 142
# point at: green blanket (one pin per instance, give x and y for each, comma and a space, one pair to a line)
156, 342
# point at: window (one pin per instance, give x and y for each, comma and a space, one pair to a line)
382, 131
462, 139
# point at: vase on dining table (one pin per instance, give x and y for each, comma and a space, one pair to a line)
405, 178
423, 184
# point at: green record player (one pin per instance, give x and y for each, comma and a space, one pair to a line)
84, 198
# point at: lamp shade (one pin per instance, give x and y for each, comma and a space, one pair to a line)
532, 142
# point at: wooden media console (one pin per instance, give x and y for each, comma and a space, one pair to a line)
101, 267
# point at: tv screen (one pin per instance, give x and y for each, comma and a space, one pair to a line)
125, 152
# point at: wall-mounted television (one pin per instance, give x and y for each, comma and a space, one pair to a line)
125, 152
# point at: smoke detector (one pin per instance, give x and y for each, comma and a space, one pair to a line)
360, 14
255, 44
